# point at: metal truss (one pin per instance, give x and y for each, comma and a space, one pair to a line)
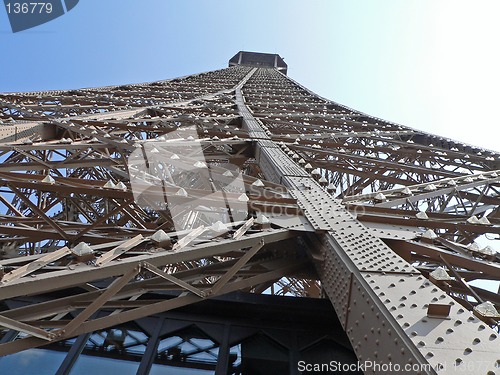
380, 218
212, 335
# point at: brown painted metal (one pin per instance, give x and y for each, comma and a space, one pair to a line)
306, 151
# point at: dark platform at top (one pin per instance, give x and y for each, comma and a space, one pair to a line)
257, 59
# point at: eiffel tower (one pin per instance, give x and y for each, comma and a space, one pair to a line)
234, 222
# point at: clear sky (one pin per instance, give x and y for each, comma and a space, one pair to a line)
429, 64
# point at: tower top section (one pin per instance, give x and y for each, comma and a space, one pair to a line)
257, 59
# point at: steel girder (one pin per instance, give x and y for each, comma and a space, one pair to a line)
356, 265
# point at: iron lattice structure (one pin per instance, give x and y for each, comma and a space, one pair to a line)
379, 218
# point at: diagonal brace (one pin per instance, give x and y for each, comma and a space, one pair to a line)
243, 229
39, 212
173, 279
26, 328
119, 250
110, 291
236, 267
189, 238
35, 265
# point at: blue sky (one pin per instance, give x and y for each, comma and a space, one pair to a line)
429, 64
